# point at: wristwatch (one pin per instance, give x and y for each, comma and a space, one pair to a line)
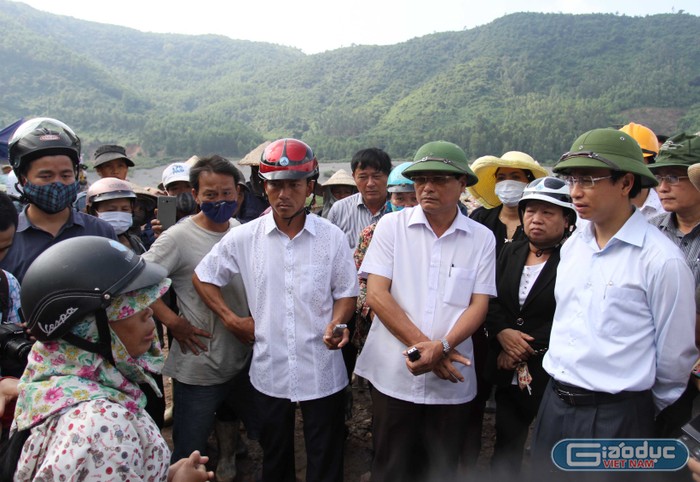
445, 347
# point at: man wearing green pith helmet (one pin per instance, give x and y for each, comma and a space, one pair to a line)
430, 272
622, 341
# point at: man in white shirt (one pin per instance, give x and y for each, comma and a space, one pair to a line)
622, 341
300, 283
430, 271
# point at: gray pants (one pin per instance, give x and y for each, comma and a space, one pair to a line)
631, 417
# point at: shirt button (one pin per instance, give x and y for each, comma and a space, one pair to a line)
519, 322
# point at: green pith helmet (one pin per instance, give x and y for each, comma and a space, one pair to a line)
682, 150
607, 149
441, 156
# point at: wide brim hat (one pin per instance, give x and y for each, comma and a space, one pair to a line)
131, 302
681, 150
606, 149
694, 175
192, 161
253, 157
485, 168
339, 178
443, 157
108, 153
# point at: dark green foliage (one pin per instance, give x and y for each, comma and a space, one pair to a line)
529, 82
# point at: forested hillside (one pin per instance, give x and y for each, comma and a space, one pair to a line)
529, 82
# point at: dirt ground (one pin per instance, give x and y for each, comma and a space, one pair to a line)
358, 449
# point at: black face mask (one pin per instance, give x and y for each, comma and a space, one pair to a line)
185, 204
143, 211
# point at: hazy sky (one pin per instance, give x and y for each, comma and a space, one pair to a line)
319, 25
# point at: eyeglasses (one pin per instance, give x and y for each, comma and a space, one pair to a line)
435, 180
586, 182
670, 180
590, 155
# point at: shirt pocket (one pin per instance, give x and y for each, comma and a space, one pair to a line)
622, 309
459, 286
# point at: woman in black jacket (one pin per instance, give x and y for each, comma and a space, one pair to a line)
520, 318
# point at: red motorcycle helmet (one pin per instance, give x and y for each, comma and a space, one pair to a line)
288, 159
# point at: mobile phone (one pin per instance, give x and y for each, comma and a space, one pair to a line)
338, 329
167, 210
413, 353
691, 437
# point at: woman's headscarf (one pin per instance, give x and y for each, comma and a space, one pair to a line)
59, 374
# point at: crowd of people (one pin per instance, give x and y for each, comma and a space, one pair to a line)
567, 299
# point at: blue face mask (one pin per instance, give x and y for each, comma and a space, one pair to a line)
51, 198
220, 211
394, 207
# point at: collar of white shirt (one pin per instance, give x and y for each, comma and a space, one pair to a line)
309, 224
632, 232
460, 222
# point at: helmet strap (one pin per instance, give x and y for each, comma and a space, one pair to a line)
306, 210
103, 346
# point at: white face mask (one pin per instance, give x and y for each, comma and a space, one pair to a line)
510, 192
119, 220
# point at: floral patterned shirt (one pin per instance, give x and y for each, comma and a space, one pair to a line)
363, 319
95, 440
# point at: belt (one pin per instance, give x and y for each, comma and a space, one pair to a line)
576, 396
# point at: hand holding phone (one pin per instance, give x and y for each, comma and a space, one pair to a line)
339, 329
413, 354
167, 211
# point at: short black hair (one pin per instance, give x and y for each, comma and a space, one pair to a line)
636, 186
216, 165
371, 157
8, 212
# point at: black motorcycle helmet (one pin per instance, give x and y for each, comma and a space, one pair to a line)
40, 137
77, 277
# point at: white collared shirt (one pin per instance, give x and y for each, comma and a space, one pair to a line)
291, 285
652, 205
352, 216
433, 280
625, 316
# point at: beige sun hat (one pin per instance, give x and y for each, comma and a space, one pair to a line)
192, 161
694, 175
485, 168
253, 157
341, 177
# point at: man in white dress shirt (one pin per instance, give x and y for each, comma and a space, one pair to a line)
622, 342
430, 272
301, 282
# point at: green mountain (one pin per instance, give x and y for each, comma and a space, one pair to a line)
529, 82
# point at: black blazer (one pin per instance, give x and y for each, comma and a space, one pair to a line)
535, 317
489, 218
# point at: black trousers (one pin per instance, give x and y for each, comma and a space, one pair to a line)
415, 442
515, 411
323, 436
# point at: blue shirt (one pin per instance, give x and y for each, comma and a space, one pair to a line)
625, 315
14, 300
31, 241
